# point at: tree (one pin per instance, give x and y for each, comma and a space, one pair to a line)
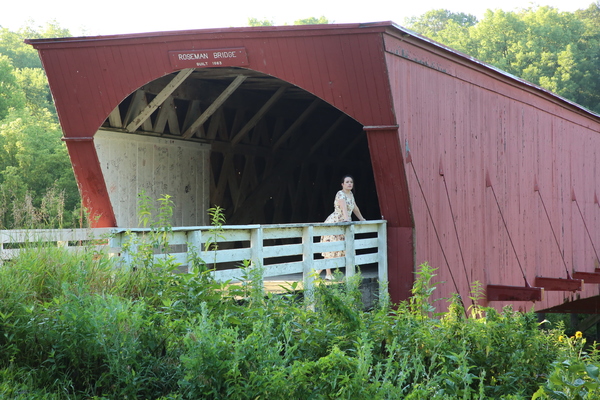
33, 160
306, 21
556, 50
433, 22
36, 178
34, 85
10, 94
312, 21
22, 55
257, 22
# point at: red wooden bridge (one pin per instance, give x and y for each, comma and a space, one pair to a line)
483, 175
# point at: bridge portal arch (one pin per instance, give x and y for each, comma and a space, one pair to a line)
264, 150
282, 113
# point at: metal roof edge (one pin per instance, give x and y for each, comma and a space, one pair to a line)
162, 35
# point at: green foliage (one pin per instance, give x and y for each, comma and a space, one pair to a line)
22, 55
435, 21
78, 327
34, 165
10, 95
34, 84
217, 220
257, 22
305, 21
140, 249
37, 185
312, 21
556, 50
421, 292
575, 374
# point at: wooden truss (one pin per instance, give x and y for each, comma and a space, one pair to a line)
277, 151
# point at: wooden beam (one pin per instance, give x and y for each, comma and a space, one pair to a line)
192, 113
513, 293
559, 284
327, 134
217, 120
214, 106
247, 182
588, 277
316, 193
297, 192
159, 99
299, 121
137, 103
273, 177
258, 116
221, 184
359, 137
239, 119
589, 305
167, 113
114, 118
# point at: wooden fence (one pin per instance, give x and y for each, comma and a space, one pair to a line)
279, 250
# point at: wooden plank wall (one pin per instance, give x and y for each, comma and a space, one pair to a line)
465, 126
132, 163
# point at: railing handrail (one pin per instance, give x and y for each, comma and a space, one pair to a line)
253, 226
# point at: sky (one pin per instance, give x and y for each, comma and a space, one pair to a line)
108, 17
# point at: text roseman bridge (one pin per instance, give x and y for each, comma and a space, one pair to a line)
485, 176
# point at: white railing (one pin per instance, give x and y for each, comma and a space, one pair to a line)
279, 250
13, 241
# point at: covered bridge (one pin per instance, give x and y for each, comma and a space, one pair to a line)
483, 175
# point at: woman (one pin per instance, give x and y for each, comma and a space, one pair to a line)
343, 207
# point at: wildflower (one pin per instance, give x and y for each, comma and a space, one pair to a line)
578, 335
560, 338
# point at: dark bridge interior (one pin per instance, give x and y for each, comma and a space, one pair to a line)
278, 152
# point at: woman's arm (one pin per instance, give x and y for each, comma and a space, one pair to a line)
358, 214
342, 204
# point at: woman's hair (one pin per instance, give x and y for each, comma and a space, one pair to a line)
347, 176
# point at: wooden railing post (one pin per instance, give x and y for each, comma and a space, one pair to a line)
118, 240
382, 264
256, 251
308, 275
350, 251
195, 241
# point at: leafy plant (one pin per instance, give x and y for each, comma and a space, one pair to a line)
217, 220
421, 291
575, 375
79, 327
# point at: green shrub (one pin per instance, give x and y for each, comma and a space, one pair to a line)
78, 327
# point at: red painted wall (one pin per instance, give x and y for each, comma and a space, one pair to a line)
470, 122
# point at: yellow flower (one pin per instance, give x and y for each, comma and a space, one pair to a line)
578, 335
560, 338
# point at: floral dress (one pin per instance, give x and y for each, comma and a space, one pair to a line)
338, 216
